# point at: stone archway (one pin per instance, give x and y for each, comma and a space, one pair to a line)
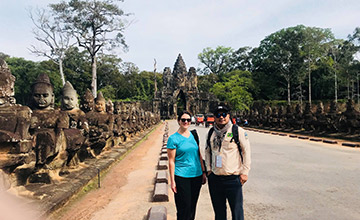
180, 92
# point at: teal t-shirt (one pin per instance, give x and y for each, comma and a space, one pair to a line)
187, 161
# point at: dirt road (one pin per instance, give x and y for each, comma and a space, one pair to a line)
126, 189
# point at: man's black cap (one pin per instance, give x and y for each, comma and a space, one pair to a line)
222, 108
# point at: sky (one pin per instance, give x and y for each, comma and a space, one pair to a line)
163, 29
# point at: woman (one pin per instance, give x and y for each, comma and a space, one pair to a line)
186, 168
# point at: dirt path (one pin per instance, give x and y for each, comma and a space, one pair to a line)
127, 188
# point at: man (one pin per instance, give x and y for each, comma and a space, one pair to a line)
227, 166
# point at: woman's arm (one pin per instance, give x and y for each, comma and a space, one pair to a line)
171, 155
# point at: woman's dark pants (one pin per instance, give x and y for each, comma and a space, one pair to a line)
222, 188
187, 195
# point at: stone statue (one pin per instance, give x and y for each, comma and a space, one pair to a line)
78, 126
87, 101
15, 140
309, 118
7, 81
109, 107
42, 96
320, 121
119, 125
47, 126
350, 119
100, 125
298, 117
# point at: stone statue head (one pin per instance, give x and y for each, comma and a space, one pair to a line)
320, 108
42, 93
87, 101
7, 81
69, 99
117, 107
100, 103
109, 107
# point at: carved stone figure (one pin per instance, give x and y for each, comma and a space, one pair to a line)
7, 81
320, 121
87, 101
349, 121
298, 118
47, 126
15, 140
119, 128
100, 125
309, 118
109, 107
78, 126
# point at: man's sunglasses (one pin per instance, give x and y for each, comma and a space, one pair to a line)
218, 115
185, 119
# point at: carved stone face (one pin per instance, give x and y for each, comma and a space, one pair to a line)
117, 108
110, 107
42, 96
69, 101
100, 106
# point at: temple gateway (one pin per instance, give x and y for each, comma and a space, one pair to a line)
180, 92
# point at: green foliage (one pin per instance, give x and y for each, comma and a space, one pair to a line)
206, 82
235, 89
77, 69
216, 61
109, 92
25, 72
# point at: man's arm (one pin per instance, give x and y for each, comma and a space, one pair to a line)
246, 154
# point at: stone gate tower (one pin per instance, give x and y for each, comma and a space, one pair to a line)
180, 92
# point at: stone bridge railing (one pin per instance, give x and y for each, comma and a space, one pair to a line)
312, 120
40, 142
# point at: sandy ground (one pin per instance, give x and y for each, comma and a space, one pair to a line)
126, 190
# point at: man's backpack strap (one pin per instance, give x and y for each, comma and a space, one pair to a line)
196, 136
208, 142
235, 131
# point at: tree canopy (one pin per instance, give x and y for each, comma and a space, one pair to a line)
96, 25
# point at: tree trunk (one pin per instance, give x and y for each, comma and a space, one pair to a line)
309, 83
348, 88
301, 95
288, 88
94, 77
336, 97
61, 71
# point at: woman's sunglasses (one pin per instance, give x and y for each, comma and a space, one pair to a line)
218, 115
185, 119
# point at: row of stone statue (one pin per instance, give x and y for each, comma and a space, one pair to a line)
312, 120
39, 142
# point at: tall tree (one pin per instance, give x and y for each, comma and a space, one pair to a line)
314, 47
53, 35
279, 54
216, 61
96, 24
